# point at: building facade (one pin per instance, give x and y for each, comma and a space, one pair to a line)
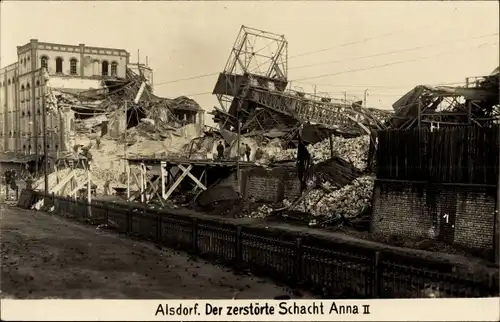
70, 67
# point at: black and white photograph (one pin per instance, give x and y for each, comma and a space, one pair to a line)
249, 150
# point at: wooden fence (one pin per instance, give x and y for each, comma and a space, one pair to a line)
462, 155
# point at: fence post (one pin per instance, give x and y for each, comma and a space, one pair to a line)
158, 227
129, 219
106, 209
376, 276
239, 247
297, 265
194, 242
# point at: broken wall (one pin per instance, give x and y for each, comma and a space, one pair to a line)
454, 214
269, 185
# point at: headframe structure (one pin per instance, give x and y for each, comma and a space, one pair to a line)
256, 53
252, 91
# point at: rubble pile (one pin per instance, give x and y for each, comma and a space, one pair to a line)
349, 201
353, 150
261, 212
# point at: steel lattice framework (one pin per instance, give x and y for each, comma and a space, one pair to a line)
262, 54
252, 91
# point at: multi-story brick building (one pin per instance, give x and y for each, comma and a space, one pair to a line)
70, 67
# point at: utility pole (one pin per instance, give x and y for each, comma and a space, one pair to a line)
44, 126
364, 101
125, 136
345, 98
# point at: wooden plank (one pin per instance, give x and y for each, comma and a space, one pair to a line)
198, 182
178, 181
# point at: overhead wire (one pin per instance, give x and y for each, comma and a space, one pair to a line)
379, 66
339, 61
291, 57
393, 51
364, 40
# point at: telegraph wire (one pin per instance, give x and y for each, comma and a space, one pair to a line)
392, 52
187, 78
380, 66
338, 61
344, 45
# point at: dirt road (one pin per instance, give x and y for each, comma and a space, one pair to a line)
46, 256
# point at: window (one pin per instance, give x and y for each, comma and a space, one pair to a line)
114, 68
8, 81
95, 67
37, 82
72, 66
44, 62
105, 66
59, 65
24, 62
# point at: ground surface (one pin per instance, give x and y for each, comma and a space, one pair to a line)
43, 255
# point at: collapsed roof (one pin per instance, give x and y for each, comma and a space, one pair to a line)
424, 105
141, 103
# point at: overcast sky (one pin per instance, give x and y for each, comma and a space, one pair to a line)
186, 39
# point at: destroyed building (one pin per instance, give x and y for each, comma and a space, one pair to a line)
159, 151
426, 106
72, 68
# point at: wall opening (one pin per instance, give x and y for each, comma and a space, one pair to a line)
59, 65
72, 66
114, 68
44, 62
105, 67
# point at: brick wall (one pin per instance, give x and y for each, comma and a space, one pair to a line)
263, 184
455, 214
272, 185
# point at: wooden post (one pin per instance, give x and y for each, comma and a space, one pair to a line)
125, 135
89, 189
142, 183
163, 164
127, 168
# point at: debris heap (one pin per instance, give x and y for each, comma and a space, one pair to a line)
348, 201
353, 150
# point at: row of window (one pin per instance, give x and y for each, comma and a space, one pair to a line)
27, 148
22, 133
26, 59
73, 62
22, 86
106, 68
